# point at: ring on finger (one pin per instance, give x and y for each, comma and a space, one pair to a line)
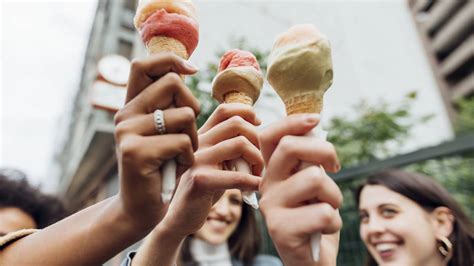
159, 119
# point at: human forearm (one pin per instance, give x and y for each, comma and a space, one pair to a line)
89, 237
161, 247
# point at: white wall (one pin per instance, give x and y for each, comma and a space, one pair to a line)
377, 53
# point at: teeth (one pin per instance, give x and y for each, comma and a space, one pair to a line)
217, 222
385, 247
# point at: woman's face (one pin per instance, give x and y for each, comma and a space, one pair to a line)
223, 218
395, 229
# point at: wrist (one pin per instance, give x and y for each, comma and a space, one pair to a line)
135, 222
168, 235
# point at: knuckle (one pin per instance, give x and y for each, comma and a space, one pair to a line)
263, 137
326, 213
184, 142
188, 114
137, 65
120, 130
236, 123
265, 204
127, 150
317, 175
286, 145
222, 110
274, 226
119, 117
338, 222
330, 149
171, 79
196, 178
241, 142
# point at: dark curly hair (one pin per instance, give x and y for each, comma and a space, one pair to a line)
15, 191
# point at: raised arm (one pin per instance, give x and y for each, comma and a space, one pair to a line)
228, 134
96, 234
308, 198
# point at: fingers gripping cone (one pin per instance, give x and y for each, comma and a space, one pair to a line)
300, 70
239, 81
168, 26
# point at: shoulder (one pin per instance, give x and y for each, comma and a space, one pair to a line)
267, 260
261, 260
13, 236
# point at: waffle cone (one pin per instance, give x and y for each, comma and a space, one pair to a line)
238, 97
304, 103
159, 44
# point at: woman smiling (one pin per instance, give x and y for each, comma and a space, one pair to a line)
229, 236
409, 219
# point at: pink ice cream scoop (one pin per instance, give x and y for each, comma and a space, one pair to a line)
172, 25
236, 58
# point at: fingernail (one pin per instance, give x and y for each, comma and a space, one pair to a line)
190, 65
313, 118
337, 166
258, 121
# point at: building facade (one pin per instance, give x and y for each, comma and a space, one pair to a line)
446, 30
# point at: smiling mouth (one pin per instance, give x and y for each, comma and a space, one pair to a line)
218, 224
386, 250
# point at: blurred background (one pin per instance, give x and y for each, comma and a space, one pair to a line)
403, 91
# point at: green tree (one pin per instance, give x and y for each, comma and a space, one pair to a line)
369, 135
465, 120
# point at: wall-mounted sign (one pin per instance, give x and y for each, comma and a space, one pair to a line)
109, 90
107, 96
114, 69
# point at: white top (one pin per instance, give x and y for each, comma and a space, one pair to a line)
210, 255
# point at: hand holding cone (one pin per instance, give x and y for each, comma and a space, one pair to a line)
239, 81
300, 70
168, 26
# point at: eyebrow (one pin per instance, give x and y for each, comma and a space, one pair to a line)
388, 205
381, 206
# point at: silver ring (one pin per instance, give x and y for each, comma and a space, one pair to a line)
159, 121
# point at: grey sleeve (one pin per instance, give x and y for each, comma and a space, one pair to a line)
128, 259
267, 260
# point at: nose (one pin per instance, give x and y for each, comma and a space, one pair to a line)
375, 225
222, 207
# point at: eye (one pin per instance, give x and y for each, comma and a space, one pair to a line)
363, 217
389, 212
235, 201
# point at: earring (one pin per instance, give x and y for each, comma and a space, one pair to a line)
445, 247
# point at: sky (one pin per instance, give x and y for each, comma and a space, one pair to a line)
42, 51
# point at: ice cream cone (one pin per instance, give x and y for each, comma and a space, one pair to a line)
238, 97
300, 70
239, 81
159, 44
168, 26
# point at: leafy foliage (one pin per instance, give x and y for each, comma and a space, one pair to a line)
465, 121
369, 135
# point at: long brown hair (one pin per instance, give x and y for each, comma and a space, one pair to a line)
244, 243
429, 195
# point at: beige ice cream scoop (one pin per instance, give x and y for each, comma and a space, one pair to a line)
300, 68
